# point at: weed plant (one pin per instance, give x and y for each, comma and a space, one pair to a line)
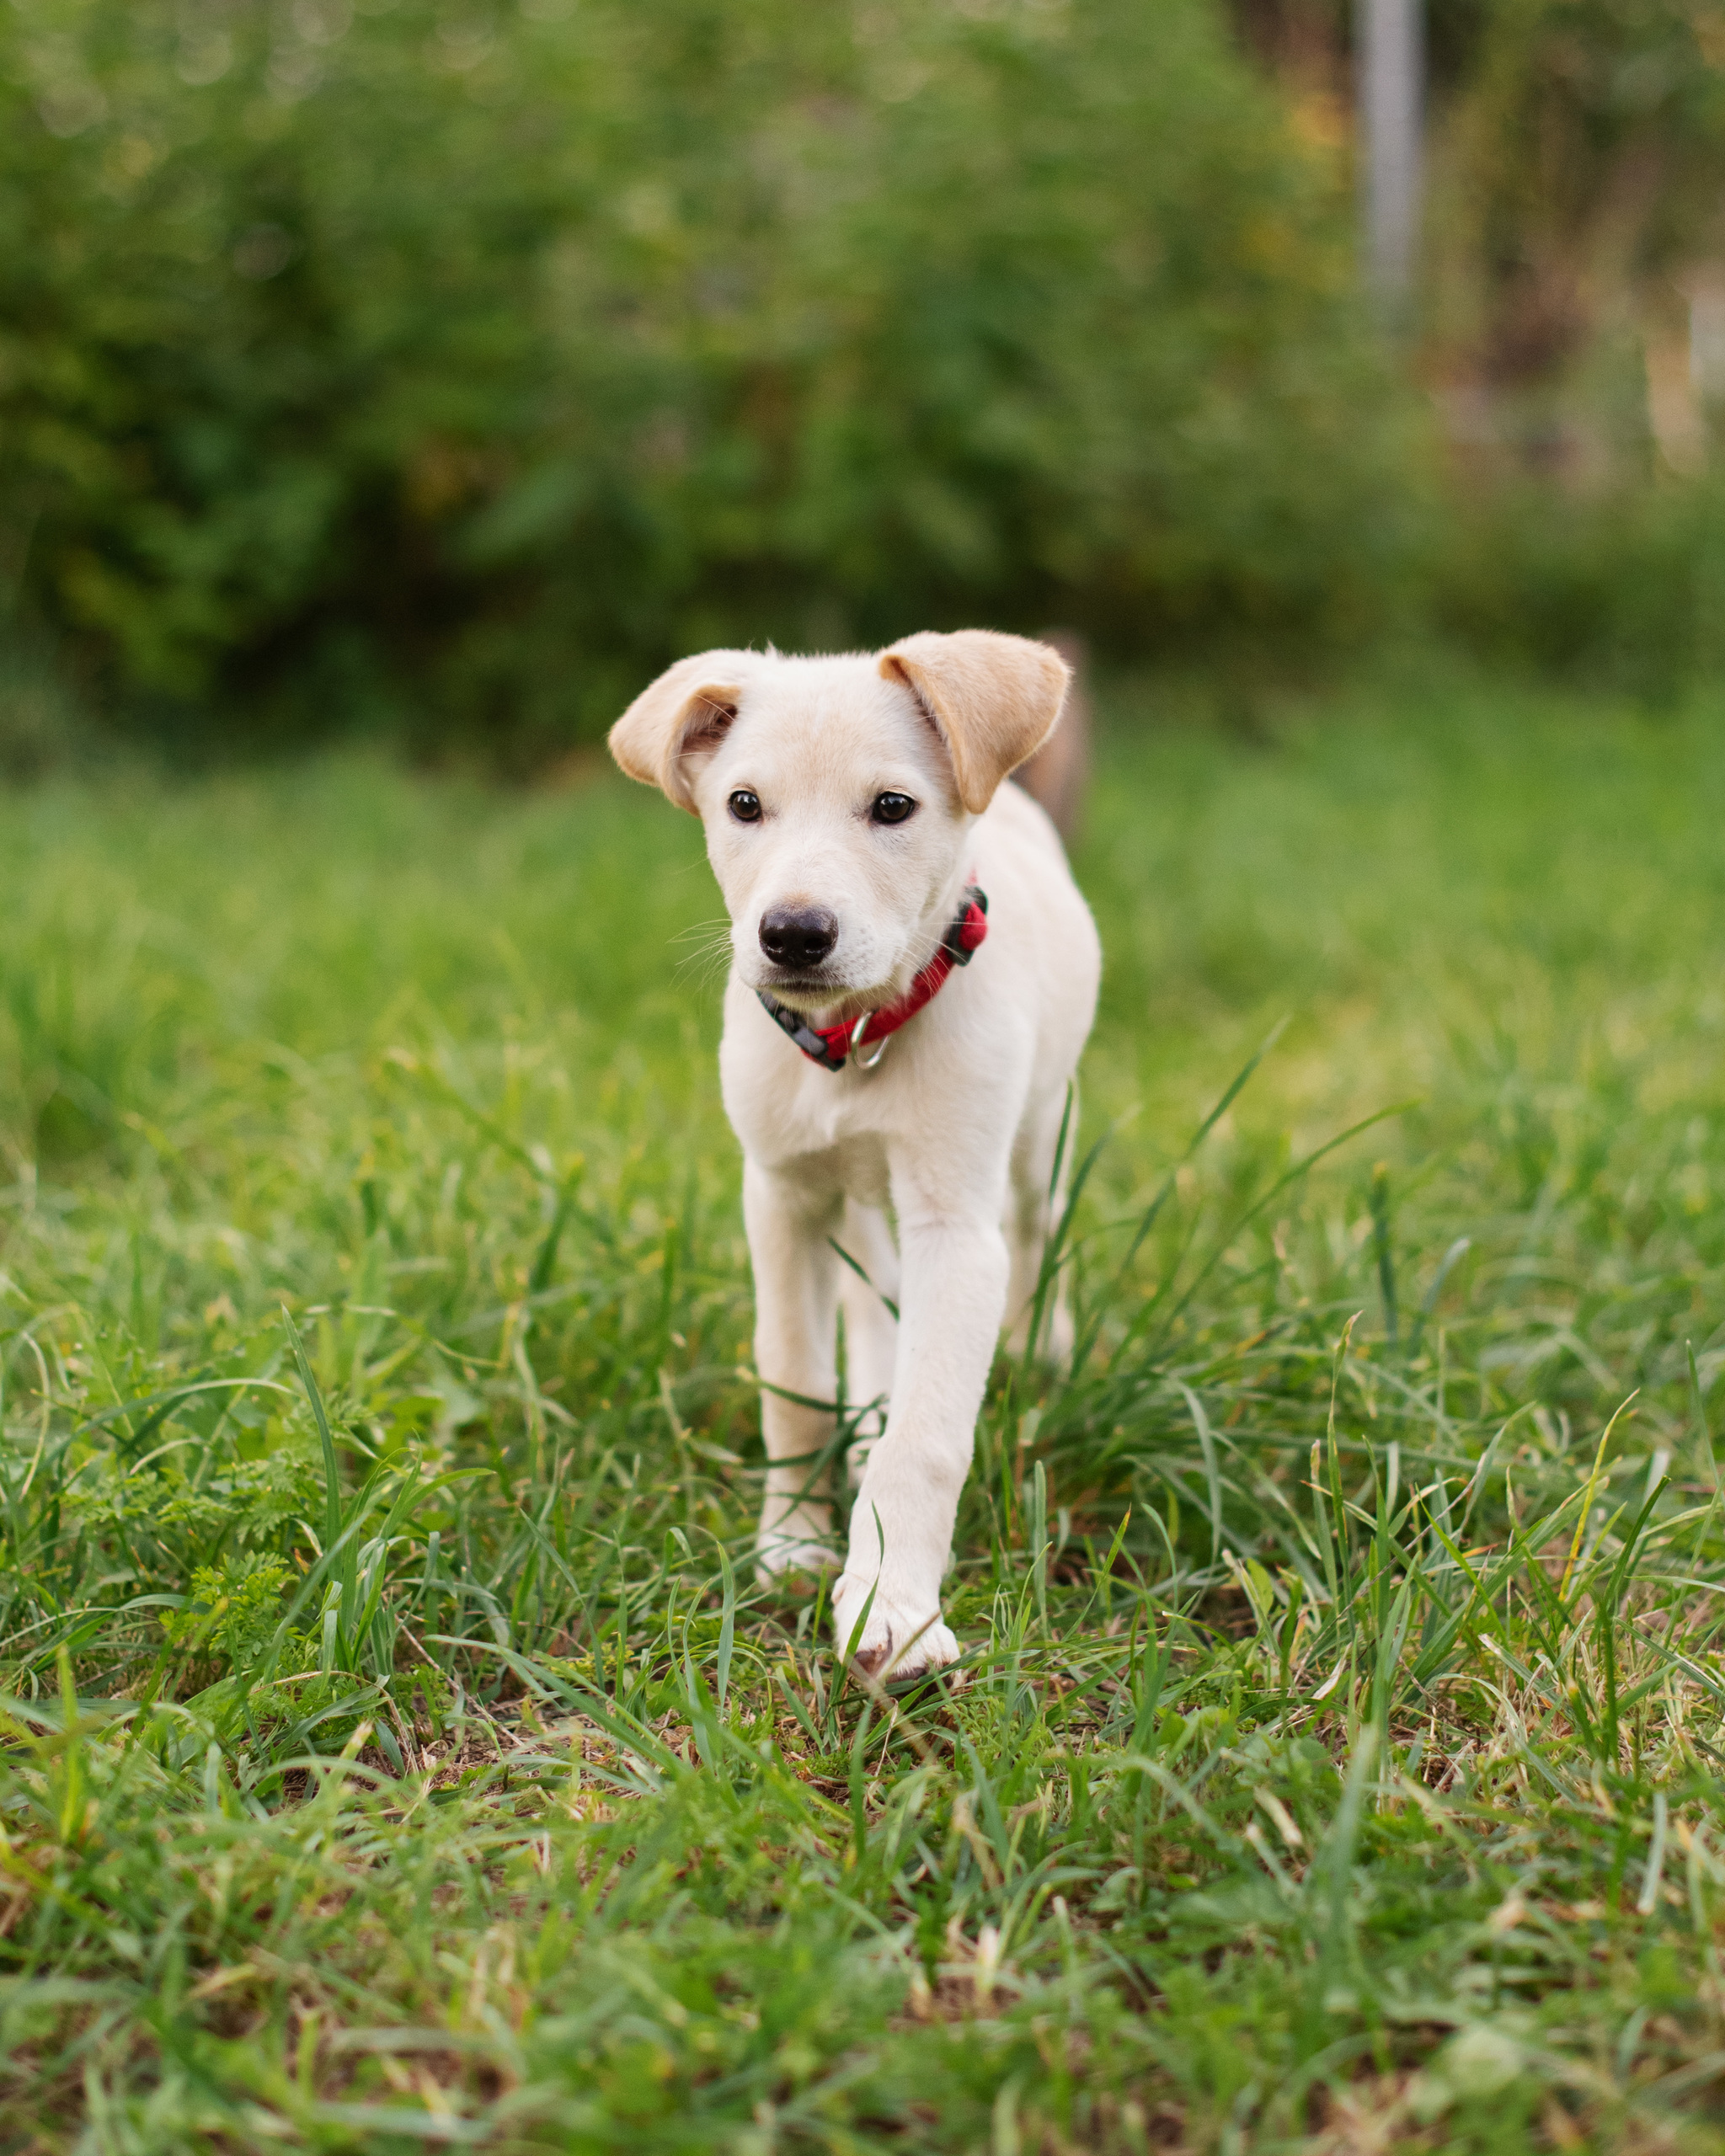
397, 1750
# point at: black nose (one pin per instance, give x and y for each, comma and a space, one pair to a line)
797, 935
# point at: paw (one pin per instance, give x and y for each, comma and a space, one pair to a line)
777, 1555
899, 1643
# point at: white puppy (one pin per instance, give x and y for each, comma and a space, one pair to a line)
857, 824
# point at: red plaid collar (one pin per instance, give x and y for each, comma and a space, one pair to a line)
830, 1046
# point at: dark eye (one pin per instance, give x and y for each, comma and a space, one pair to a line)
745, 807
891, 807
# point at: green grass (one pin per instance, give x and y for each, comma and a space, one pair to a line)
396, 1752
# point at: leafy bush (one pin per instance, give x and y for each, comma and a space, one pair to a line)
475, 359
1622, 591
43, 723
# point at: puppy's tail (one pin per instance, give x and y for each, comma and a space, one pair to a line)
1058, 775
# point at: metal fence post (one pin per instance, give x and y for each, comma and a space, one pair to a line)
1391, 74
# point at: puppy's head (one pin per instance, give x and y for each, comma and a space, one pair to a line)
838, 794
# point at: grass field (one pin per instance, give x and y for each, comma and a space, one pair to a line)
396, 1751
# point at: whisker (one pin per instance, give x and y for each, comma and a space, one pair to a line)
705, 967
719, 925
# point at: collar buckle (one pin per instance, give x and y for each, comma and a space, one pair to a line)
881, 1046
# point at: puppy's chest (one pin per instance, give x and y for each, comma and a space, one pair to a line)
817, 1140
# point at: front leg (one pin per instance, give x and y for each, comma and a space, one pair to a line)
789, 1229
953, 1288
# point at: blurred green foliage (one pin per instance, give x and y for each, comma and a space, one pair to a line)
1621, 590
1581, 168
474, 359
1576, 219
449, 364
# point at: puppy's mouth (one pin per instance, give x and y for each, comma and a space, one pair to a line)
805, 989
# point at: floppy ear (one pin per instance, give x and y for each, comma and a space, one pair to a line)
994, 700
688, 708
